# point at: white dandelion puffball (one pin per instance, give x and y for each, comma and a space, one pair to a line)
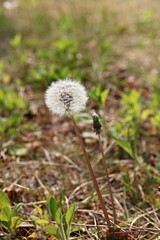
66, 97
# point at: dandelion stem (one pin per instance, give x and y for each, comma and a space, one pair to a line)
105, 212
107, 177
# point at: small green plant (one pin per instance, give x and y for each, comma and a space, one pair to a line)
43, 71
125, 145
131, 101
12, 109
99, 95
9, 219
127, 139
9, 100
42, 218
131, 189
155, 120
63, 221
16, 41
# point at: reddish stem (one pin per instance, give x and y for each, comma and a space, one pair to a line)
105, 212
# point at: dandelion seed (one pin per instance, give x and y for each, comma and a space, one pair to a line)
66, 97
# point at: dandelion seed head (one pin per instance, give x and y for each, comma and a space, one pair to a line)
66, 97
10, 5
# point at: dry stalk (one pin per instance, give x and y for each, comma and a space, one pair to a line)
107, 177
105, 212
155, 236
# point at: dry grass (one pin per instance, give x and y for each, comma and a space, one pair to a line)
49, 157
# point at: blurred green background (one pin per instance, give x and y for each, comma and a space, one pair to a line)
105, 44
112, 47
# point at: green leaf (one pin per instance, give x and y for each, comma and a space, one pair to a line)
39, 210
2, 128
33, 235
58, 216
52, 230
76, 229
15, 222
5, 214
104, 96
15, 42
16, 209
4, 200
146, 113
98, 95
2, 95
5, 224
155, 120
45, 215
42, 221
69, 214
68, 218
125, 145
3, 217
53, 207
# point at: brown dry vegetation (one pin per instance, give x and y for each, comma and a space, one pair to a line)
45, 157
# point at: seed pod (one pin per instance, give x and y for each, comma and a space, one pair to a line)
96, 123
